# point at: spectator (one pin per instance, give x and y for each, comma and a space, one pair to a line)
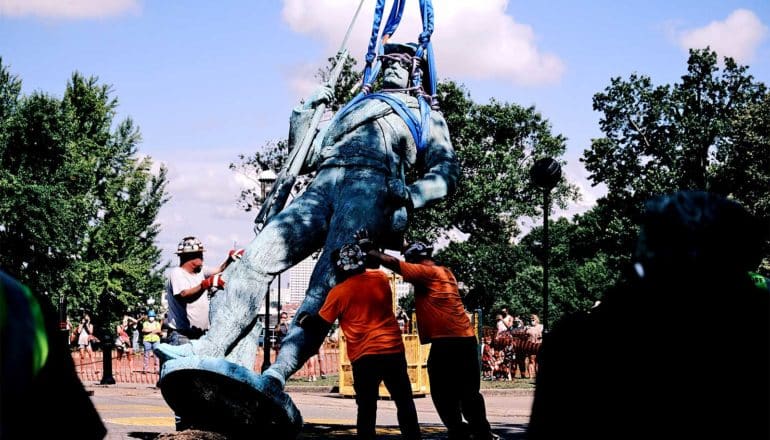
37, 375
453, 366
362, 302
86, 337
123, 342
690, 264
500, 325
133, 327
280, 331
151, 331
487, 356
508, 319
534, 335
403, 320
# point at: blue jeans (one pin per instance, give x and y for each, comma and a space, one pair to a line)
148, 351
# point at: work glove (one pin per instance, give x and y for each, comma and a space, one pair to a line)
364, 242
324, 95
235, 255
213, 283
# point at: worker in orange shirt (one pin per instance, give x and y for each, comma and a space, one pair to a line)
363, 304
453, 367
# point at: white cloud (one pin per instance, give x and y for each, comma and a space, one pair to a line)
471, 39
68, 9
738, 36
204, 193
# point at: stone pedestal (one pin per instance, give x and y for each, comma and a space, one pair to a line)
212, 394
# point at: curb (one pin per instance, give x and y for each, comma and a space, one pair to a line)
300, 389
304, 389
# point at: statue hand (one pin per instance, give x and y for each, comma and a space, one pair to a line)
399, 193
323, 95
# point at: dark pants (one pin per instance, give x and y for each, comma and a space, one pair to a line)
368, 372
453, 370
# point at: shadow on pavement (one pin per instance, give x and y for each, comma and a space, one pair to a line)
325, 431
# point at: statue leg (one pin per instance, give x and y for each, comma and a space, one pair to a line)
285, 241
360, 203
245, 351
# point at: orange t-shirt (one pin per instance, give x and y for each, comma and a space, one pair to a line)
364, 307
440, 311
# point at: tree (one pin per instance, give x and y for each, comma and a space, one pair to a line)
579, 275
708, 132
78, 208
496, 144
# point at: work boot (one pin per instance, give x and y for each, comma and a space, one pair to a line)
167, 352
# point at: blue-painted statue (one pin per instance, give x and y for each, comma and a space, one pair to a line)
360, 160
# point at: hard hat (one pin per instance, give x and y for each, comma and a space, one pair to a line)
189, 245
151, 314
417, 250
350, 258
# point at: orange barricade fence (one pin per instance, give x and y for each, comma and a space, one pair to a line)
91, 369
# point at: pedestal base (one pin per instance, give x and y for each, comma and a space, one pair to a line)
212, 394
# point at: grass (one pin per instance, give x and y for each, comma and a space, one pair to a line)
329, 381
521, 384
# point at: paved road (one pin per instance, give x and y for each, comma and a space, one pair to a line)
132, 412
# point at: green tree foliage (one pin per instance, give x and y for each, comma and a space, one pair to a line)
708, 132
77, 204
496, 144
578, 275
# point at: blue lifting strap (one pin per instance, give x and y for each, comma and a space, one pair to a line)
418, 127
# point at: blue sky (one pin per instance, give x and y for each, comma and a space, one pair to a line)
206, 80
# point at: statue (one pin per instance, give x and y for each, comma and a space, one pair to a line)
360, 160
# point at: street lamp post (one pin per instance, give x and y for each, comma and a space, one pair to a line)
106, 345
267, 343
266, 180
546, 173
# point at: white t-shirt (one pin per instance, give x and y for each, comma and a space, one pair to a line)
185, 315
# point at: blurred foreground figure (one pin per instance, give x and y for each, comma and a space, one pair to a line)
654, 341
39, 390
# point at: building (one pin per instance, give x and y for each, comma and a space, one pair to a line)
299, 279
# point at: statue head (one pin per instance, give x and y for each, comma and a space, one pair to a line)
397, 61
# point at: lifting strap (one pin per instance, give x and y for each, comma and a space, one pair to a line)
418, 127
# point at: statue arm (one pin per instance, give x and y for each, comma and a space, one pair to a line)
440, 163
300, 125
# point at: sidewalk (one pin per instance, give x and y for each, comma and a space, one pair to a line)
132, 411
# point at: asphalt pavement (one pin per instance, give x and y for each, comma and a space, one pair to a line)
139, 412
